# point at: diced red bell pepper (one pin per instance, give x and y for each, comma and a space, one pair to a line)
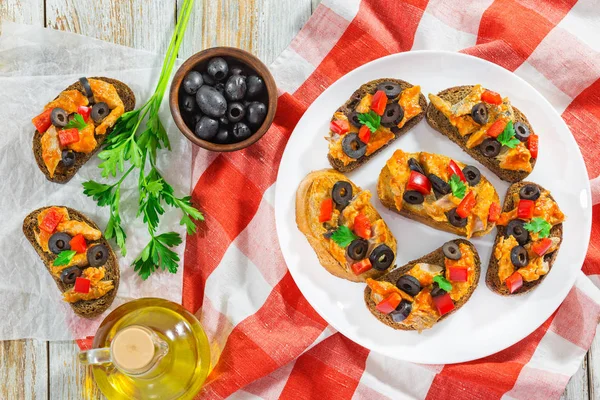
453, 168
494, 212
361, 266
68, 136
532, 145
84, 112
42, 122
497, 128
339, 126
390, 303
458, 274
379, 102
362, 226
419, 182
491, 97
525, 209
466, 205
541, 246
326, 210
514, 282
82, 285
443, 303
364, 134
78, 243
51, 221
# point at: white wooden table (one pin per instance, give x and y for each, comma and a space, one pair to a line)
31, 369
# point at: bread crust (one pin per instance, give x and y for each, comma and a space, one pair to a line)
83, 308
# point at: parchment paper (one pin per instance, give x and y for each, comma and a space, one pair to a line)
35, 65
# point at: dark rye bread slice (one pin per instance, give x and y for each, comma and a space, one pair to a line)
348, 107
440, 123
491, 279
435, 257
62, 174
83, 308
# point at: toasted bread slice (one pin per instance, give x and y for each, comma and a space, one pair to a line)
307, 213
440, 123
83, 308
348, 106
64, 174
492, 280
435, 257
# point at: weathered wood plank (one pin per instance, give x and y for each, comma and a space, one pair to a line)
23, 369
577, 388
594, 367
23, 11
68, 378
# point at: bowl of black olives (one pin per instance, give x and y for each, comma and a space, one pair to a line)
223, 99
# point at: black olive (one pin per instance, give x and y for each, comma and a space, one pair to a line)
69, 275
413, 197
87, 89
67, 158
479, 113
437, 290
220, 87
392, 115
414, 165
438, 184
409, 284
235, 112
456, 219
208, 80
211, 101
341, 194
59, 117
192, 82
100, 111
59, 242
97, 255
519, 256
451, 251
490, 147
353, 118
223, 121
217, 68
236, 70
235, 88
188, 103
223, 136
256, 86
402, 311
530, 192
240, 132
353, 146
357, 249
192, 119
206, 128
521, 131
515, 228
391, 89
256, 113
472, 175
329, 233
381, 257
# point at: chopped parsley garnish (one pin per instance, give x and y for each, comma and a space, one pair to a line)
343, 236
457, 186
371, 120
507, 137
540, 226
64, 258
76, 122
442, 283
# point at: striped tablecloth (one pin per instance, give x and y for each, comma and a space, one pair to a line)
267, 341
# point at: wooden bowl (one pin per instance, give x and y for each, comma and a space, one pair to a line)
232, 55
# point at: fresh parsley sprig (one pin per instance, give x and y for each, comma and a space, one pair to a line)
457, 186
371, 120
540, 226
507, 137
77, 122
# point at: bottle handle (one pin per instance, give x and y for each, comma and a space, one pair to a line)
95, 356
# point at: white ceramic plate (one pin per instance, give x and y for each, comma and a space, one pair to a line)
487, 323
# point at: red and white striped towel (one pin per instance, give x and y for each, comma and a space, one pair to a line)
267, 341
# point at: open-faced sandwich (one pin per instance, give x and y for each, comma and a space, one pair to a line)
487, 127
421, 293
529, 236
342, 226
440, 192
77, 256
379, 112
74, 125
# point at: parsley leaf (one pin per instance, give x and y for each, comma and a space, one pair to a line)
76, 122
64, 258
507, 137
157, 254
457, 186
540, 226
343, 236
370, 119
442, 283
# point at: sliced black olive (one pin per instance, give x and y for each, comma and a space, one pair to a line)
490, 147
456, 219
437, 290
342, 193
87, 89
530, 192
381, 257
68, 275
519, 256
413, 197
515, 228
479, 113
472, 175
100, 111
68, 158
329, 233
521, 131
391, 89
97, 255
414, 165
451, 251
353, 146
357, 249
217, 68
392, 115
409, 284
59, 242
402, 311
59, 117
353, 118
438, 184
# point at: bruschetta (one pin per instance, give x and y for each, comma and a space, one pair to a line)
342, 226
